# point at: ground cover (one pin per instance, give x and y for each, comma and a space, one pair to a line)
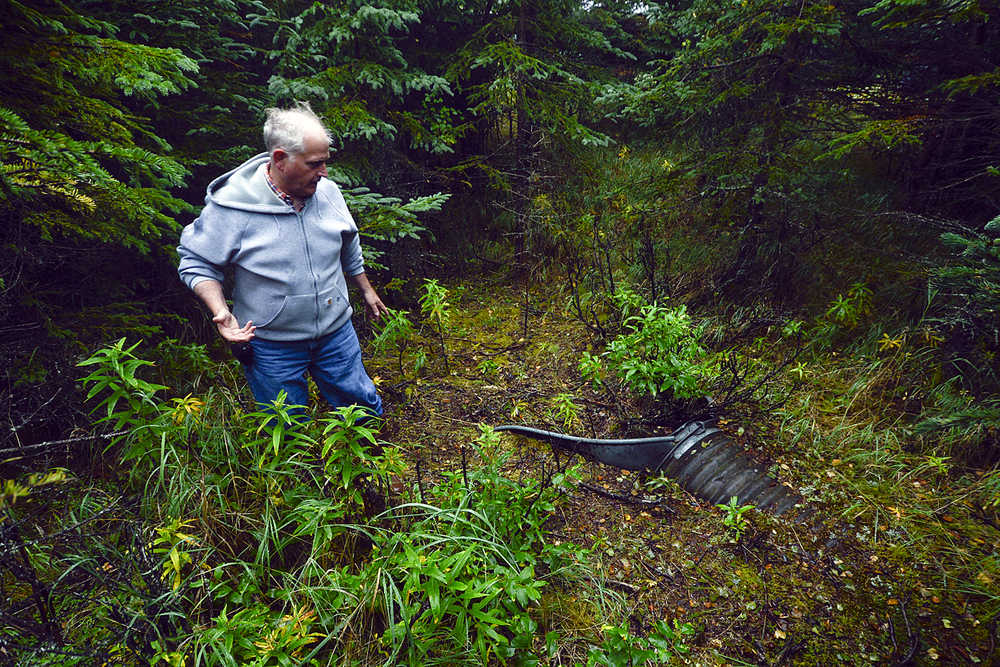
898, 564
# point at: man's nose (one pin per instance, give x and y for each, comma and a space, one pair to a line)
322, 171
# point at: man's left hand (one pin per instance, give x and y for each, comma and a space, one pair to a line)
374, 306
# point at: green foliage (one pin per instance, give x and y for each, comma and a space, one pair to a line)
566, 411
591, 369
255, 635
435, 308
811, 147
488, 367
264, 545
12, 490
434, 304
396, 331
461, 584
733, 518
842, 317
847, 311
664, 645
76, 162
387, 219
115, 380
956, 421
793, 117
171, 544
660, 353
969, 286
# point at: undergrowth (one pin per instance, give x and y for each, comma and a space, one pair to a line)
264, 539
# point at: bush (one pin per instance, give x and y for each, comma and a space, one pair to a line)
660, 353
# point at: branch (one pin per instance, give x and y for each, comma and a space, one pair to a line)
18, 450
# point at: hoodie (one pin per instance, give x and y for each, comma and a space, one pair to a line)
288, 266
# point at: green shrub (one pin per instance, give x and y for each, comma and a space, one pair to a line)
660, 353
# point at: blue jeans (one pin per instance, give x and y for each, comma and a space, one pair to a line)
334, 362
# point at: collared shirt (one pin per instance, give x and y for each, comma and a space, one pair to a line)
283, 196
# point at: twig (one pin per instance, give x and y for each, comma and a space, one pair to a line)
914, 636
617, 584
27, 420
617, 496
420, 480
64, 441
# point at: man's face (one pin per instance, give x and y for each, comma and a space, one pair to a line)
298, 175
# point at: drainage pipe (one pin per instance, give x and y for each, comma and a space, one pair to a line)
703, 460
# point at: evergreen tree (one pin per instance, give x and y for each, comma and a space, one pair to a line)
84, 186
801, 119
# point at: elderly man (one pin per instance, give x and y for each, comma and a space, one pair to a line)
286, 231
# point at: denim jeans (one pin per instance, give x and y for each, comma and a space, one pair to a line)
334, 362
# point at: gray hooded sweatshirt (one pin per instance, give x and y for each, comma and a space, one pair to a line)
288, 266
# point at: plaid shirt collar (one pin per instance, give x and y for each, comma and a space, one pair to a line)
283, 196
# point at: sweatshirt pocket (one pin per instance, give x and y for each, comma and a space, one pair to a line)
296, 315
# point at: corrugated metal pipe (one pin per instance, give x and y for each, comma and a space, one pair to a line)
702, 459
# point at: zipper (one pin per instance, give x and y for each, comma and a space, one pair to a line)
309, 265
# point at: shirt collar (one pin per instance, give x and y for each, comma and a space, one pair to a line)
283, 196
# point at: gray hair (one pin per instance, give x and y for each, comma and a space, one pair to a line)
287, 128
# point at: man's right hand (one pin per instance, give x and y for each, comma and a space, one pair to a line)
231, 330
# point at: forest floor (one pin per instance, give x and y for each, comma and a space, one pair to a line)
896, 566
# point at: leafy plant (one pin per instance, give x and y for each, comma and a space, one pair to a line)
395, 330
170, 543
660, 353
12, 490
435, 308
116, 380
848, 310
566, 411
733, 518
460, 584
591, 369
488, 367
664, 645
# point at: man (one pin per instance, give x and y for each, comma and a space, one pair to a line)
286, 231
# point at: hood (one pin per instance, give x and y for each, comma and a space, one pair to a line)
245, 188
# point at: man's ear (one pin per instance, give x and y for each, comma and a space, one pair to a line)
278, 157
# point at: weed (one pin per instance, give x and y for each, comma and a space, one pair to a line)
170, 543
253, 527
395, 331
435, 308
620, 647
591, 369
488, 367
660, 353
566, 411
733, 518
